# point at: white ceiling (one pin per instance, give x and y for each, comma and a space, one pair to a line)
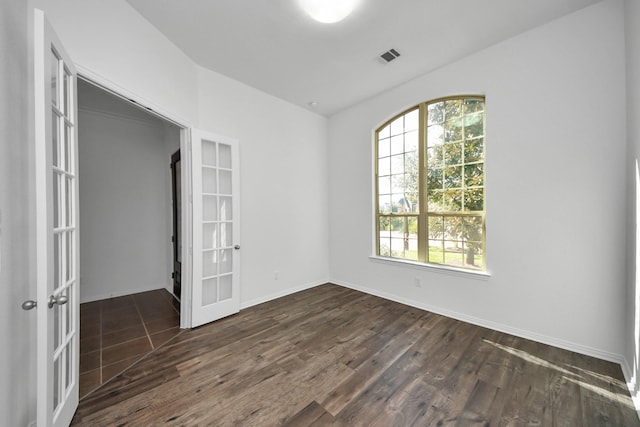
274, 46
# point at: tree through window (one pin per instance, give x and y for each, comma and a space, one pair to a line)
430, 184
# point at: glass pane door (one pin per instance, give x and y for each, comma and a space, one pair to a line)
215, 209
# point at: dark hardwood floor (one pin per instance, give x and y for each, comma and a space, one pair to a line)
334, 356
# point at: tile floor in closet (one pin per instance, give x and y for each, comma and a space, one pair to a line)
116, 332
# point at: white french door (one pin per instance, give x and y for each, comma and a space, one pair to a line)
56, 167
216, 209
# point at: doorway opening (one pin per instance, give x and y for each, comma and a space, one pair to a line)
130, 304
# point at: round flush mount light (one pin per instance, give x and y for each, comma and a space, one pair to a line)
328, 11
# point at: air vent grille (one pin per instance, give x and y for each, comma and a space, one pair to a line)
388, 56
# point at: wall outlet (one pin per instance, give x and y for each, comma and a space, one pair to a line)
417, 282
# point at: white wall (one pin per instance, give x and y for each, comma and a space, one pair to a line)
110, 42
555, 186
17, 220
632, 353
124, 180
283, 158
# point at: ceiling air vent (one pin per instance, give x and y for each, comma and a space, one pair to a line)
388, 56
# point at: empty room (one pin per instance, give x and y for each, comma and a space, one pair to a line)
386, 213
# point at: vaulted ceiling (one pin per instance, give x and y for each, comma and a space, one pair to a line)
274, 46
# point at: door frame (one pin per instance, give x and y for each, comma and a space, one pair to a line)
186, 277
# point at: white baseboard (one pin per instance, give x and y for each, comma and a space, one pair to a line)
280, 294
631, 384
122, 293
567, 345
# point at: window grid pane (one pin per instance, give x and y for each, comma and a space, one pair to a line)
453, 231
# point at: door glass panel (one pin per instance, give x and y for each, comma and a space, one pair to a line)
68, 192
225, 261
209, 236
208, 153
56, 326
209, 263
69, 365
225, 156
209, 181
56, 382
64, 356
225, 287
56, 200
225, 235
67, 312
225, 182
57, 251
66, 92
54, 78
225, 209
209, 208
55, 140
69, 255
209, 291
66, 148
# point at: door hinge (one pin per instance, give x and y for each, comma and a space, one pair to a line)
172, 239
173, 275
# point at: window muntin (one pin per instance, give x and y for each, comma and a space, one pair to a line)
430, 184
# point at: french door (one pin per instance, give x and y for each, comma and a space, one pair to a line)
56, 166
215, 209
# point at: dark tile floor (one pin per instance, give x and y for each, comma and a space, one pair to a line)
116, 332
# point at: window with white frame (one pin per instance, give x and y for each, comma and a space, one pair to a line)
430, 184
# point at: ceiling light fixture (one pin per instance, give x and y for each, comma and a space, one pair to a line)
328, 11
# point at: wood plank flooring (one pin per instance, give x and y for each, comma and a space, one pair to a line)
334, 356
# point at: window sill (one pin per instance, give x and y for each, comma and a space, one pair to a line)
470, 274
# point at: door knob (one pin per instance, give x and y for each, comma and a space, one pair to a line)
29, 305
60, 300
236, 247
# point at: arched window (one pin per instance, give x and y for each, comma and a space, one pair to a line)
430, 184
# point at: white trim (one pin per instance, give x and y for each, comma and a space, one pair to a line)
281, 294
544, 339
442, 269
629, 379
44, 409
187, 236
153, 121
104, 83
